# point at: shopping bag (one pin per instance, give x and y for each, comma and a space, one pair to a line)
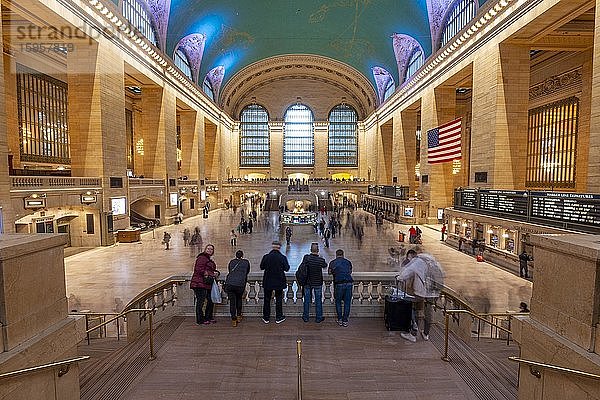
215, 293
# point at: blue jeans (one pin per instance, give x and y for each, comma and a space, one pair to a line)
318, 302
343, 292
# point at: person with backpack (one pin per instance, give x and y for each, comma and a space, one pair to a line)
275, 266
235, 284
314, 265
423, 278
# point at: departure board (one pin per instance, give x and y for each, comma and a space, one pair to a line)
468, 198
511, 202
575, 208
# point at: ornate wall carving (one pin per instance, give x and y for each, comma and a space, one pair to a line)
382, 80
193, 47
404, 47
556, 84
160, 10
437, 10
215, 77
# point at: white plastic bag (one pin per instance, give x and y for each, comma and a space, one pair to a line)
215, 293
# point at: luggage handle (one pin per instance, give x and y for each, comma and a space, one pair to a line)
404, 287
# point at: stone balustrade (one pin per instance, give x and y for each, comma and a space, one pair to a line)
53, 182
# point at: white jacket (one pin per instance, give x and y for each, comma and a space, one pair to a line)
413, 275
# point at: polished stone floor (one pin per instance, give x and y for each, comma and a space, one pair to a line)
104, 279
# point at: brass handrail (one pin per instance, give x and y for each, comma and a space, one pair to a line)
124, 313
447, 314
61, 372
538, 374
151, 289
299, 354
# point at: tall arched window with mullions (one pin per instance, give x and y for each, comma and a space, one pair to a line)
138, 15
298, 137
343, 137
414, 63
460, 14
254, 137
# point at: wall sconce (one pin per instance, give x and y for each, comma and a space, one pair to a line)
490, 231
505, 235
464, 225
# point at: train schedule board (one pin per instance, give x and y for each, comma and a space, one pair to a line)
511, 202
468, 199
573, 208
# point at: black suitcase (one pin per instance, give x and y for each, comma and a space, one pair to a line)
397, 313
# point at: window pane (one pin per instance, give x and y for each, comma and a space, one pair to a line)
182, 63
343, 137
463, 12
298, 137
138, 16
254, 137
42, 116
552, 140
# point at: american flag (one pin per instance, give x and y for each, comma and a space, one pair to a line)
443, 142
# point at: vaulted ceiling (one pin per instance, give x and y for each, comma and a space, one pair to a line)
238, 33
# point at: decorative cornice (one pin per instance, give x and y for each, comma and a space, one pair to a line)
557, 83
193, 47
293, 65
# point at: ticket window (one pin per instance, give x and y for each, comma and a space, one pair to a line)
468, 232
509, 241
44, 227
456, 227
494, 239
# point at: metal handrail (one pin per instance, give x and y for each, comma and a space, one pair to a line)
299, 354
124, 313
538, 374
447, 314
160, 285
64, 363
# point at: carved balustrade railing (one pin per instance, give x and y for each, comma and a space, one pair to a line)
53, 182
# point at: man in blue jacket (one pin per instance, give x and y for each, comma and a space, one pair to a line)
315, 266
275, 266
341, 269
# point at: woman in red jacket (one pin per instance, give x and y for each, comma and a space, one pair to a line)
205, 272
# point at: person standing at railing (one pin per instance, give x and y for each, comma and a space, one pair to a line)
275, 266
314, 266
423, 277
235, 284
341, 269
205, 273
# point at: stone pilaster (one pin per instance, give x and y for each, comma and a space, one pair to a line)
95, 75
385, 145
499, 122
437, 108
276, 143
189, 144
593, 170
321, 149
405, 142
8, 216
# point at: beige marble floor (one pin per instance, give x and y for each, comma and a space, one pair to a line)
104, 279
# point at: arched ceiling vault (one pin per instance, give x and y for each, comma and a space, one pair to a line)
298, 73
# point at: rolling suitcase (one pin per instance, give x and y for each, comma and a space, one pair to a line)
397, 311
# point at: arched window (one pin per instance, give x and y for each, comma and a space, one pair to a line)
414, 63
343, 137
298, 137
462, 12
254, 137
181, 61
208, 89
138, 16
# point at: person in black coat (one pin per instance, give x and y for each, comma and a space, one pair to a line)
314, 267
275, 266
